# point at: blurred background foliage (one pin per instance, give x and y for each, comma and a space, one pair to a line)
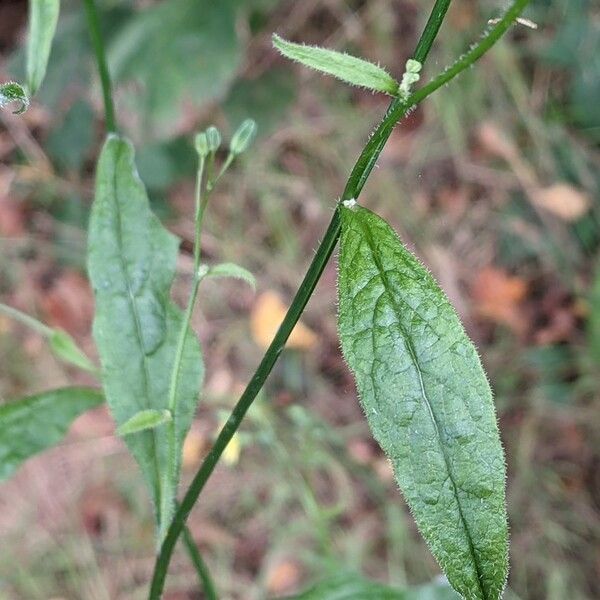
494, 182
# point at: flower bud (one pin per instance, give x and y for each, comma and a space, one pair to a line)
213, 138
201, 144
243, 137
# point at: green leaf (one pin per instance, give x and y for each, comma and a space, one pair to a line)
36, 423
350, 69
176, 50
349, 586
427, 401
231, 270
266, 98
65, 348
43, 17
11, 92
131, 262
70, 142
145, 419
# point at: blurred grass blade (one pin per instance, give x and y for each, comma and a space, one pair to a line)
593, 321
349, 586
131, 262
232, 270
350, 69
145, 419
36, 423
43, 17
427, 401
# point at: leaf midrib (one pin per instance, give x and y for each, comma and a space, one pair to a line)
387, 286
136, 318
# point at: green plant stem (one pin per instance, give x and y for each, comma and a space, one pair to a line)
201, 569
356, 182
26, 320
98, 45
168, 494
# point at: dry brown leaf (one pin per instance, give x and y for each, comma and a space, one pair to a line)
194, 447
267, 314
563, 201
498, 297
69, 303
283, 577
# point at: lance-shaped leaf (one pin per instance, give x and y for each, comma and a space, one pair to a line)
427, 401
350, 69
131, 262
36, 423
43, 17
226, 270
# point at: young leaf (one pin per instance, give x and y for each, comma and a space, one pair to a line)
350, 69
65, 348
61, 343
231, 270
131, 262
36, 423
43, 17
427, 401
145, 419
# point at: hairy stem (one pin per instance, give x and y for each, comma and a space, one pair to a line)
272, 354
168, 496
361, 171
98, 44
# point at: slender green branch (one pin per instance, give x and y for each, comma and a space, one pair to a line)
490, 37
358, 177
171, 471
26, 320
201, 569
98, 45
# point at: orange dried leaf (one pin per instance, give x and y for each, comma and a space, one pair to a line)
267, 314
283, 577
498, 297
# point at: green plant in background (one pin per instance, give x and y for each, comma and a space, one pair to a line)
421, 383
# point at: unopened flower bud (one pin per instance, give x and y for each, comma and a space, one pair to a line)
213, 138
201, 144
243, 137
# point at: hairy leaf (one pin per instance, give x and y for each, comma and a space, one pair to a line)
43, 17
131, 262
350, 69
36, 423
427, 401
349, 586
231, 270
145, 419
